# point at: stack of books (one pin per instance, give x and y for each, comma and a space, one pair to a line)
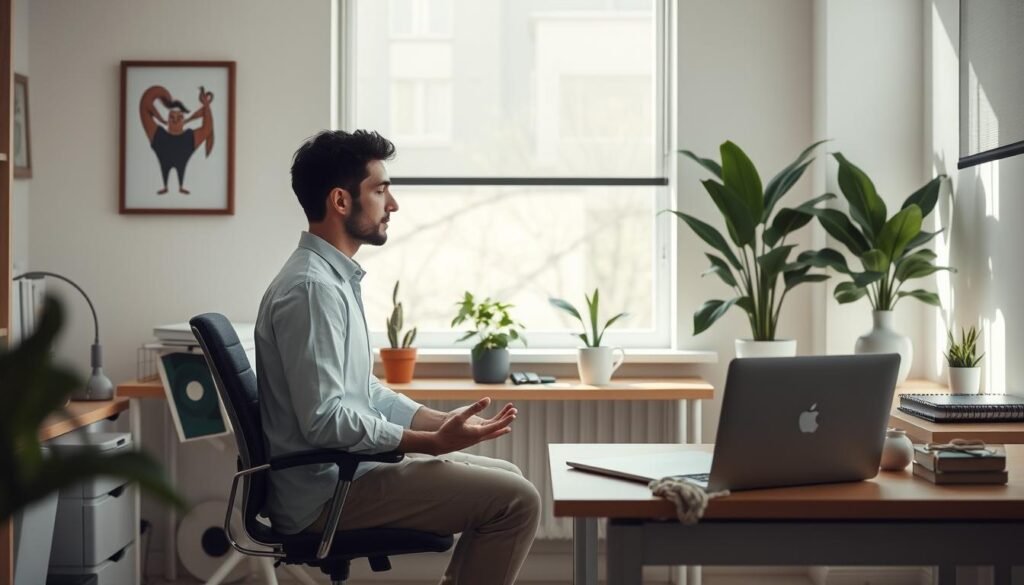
942, 408
948, 466
179, 337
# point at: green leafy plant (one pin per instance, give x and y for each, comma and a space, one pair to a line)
965, 353
396, 322
491, 323
889, 248
596, 334
32, 388
759, 256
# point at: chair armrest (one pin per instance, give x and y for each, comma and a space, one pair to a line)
346, 462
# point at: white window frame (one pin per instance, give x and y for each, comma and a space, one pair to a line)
665, 232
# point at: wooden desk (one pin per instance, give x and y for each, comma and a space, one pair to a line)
81, 413
689, 390
893, 519
922, 431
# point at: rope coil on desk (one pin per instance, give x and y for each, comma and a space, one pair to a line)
690, 500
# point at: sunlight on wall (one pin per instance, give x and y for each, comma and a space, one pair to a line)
993, 367
990, 184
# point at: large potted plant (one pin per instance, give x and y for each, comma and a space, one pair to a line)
595, 362
495, 329
32, 388
400, 358
756, 262
890, 251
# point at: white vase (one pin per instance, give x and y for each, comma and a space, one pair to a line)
884, 339
748, 348
897, 451
964, 380
597, 364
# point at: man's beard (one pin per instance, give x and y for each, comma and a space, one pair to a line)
361, 228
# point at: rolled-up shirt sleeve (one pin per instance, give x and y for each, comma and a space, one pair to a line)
311, 324
397, 407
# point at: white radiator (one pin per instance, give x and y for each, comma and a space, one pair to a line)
540, 423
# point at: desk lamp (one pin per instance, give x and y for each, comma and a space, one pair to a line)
99, 386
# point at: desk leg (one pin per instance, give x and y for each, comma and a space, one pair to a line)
584, 551
693, 430
693, 436
625, 553
171, 530
1003, 574
947, 575
135, 427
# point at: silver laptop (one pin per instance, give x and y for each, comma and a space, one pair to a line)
784, 422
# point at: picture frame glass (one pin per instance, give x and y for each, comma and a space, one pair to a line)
176, 139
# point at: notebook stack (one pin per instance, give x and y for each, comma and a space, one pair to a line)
942, 466
943, 408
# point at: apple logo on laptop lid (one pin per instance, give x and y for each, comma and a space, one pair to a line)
809, 419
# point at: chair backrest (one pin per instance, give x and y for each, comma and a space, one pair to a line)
236, 384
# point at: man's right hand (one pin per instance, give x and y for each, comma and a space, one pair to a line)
458, 432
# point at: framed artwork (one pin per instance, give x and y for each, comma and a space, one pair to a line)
177, 137
20, 129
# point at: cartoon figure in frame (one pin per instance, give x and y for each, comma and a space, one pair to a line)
175, 144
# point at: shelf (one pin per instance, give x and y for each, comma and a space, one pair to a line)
568, 356
922, 431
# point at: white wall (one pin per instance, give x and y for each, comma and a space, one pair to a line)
872, 53
752, 85
143, 271
984, 242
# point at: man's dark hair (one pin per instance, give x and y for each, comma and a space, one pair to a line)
334, 158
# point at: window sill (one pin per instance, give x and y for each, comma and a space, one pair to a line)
567, 356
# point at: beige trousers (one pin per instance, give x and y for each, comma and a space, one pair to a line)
489, 501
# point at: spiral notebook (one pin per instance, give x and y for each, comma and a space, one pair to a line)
942, 408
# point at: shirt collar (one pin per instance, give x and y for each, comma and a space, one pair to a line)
347, 268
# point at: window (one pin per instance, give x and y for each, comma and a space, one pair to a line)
531, 159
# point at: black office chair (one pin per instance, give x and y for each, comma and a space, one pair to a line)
332, 551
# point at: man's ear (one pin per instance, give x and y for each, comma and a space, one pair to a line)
340, 201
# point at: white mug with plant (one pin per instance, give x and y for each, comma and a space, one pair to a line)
494, 329
891, 251
596, 362
962, 358
399, 359
758, 256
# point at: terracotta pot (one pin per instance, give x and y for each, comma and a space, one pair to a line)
399, 364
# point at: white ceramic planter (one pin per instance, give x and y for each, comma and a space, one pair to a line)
884, 339
597, 364
748, 348
964, 380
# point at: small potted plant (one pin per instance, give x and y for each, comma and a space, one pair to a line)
399, 359
963, 360
495, 329
595, 362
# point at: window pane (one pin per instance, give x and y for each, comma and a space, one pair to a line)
401, 13
520, 245
403, 109
517, 68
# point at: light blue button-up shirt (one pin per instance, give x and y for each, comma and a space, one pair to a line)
316, 385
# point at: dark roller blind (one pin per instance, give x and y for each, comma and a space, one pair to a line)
991, 80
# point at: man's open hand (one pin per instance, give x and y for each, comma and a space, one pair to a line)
463, 428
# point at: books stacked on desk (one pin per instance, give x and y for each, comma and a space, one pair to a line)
943, 408
178, 336
946, 464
